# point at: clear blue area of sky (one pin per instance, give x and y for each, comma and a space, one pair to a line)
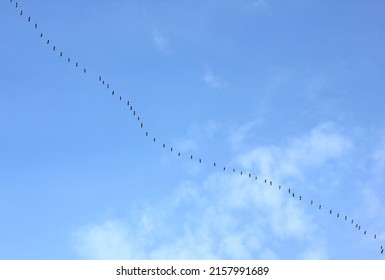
288, 91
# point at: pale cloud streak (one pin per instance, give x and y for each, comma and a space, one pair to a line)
213, 81
161, 42
258, 3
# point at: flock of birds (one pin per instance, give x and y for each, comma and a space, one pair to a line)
154, 139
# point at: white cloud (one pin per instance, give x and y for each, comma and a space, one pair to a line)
226, 216
322, 144
315, 252
109, 240
230, 218
214, 81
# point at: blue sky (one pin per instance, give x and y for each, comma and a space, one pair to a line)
288, 91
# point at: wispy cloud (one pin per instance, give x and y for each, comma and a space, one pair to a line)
214, 81
161, 42
258, 3
108, 240
322, 143
237, 138
202, 224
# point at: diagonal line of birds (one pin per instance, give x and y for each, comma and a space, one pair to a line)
147, 134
